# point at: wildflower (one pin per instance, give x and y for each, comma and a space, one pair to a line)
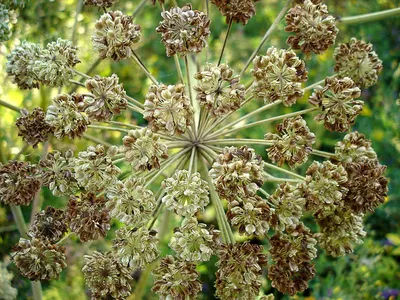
130, 202
54, 65
58, 173
314, 29
7, 292
176, 279
250, 214
19, 183
239, 271
38, 259
325, 186
135, 248
100, 3
20, 65
291, 282
293, 142
357, 60
64, 116
88, 217
237, 172
143, 149
218, 90
278, 76
33, 127
240, 11
49, 225
107, 98
167, 108
116, 36
353, 148
106, 276
184, 30
193, 242
336, 99
289, 202
185, 193
94, 169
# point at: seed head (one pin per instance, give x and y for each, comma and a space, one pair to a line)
100, 3
184, 30
240, 11
49, 225
293, 142
278, 76
336, 99
353, 148
116, 36
4, 21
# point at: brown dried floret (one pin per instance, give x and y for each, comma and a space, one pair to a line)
240, 11
176, 279
88, 216
357, 60
19, 183
100, 3
116, 36
240, 267
278, 76
33, 127
314, 29
293, 142
184, 30
338, 104
49, 224
353, 148
38, 259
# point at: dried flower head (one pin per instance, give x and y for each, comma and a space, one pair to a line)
38, 259
237, 172
193, 242
293, 142
54, 66
19, 183
291, 282
339, 231
4, 21
7, 292
314, 29
218, 90
130, 202
33, 127
88, 217
176, 279
239, 271
116, 36
337, 100
185, 193
107, 98
240, 11
135, 248
366, 184
64, 116
294, 247
184, 30
58, 173
353, 148
49, 225
324, 187
167, 108
143, 149
100, 3
19, 65
289, 202
278, 76
357, 60
251, 215
106, 276
94, 169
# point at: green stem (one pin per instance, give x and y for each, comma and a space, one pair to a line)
139, 8
9, 106
239, 142
270, 178
77, 83
75, 27
225, 40
192, 157
189, 82
178, 68
96, 140
371, 17
322, 153
82, 74
143, 67
108, 128
270, 30
135, 102
271, 166
125, 124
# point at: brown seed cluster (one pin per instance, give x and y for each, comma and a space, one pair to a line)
50, 224
100, 3
240, 11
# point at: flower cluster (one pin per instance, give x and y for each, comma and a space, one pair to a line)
100, 3
49, 225
239, 11
4, 21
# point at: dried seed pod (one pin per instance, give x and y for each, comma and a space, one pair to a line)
49, 225
240, 11
100, 3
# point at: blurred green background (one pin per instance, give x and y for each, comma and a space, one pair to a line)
372, 272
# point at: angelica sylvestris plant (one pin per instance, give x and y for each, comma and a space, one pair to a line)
190, 146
